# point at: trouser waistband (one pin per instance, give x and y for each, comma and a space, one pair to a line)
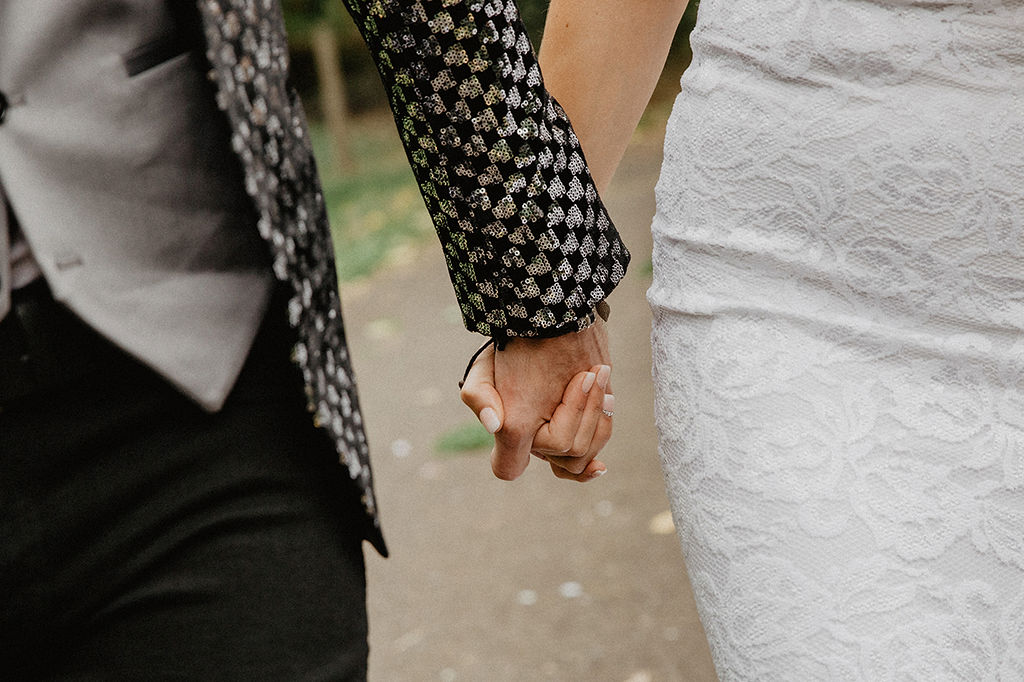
42, 339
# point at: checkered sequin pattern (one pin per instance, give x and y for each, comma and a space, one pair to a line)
248, 55
529, 245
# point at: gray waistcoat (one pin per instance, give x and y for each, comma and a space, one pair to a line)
117, 164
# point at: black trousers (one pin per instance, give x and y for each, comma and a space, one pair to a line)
142, 538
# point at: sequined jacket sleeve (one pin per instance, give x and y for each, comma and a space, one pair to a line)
529, 245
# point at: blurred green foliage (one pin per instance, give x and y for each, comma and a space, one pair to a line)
364, 90
376, 211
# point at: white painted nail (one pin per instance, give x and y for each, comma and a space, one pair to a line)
588, 382
603, 375
609, 405
489, 418
599, 473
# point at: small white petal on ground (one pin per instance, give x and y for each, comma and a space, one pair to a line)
527, 597
661, 524
570, 590
431, 471
409, 640
401, 448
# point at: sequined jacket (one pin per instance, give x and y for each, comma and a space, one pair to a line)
529, 246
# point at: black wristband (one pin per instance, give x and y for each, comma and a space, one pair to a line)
602, 310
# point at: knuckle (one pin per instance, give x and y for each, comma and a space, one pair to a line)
576, 467
505, 473
504, 462
517, 437
515, 425
562, 444
561, 473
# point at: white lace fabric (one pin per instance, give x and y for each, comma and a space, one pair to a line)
839, 337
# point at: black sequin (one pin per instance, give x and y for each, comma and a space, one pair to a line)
530, 247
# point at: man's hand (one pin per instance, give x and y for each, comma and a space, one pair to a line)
548, 397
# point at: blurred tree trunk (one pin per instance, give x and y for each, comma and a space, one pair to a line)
326, 52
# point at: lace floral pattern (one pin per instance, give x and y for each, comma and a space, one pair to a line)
839, 337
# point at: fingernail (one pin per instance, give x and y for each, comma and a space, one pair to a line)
603, 375
489, 418
609, 405
599, 473
588, 382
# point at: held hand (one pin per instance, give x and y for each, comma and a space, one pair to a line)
531, 397
579, 428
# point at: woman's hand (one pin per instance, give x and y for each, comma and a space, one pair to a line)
579, 428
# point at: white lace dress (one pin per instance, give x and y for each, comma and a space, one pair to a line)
839, 337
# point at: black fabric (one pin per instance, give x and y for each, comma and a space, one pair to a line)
142, 538
530, 247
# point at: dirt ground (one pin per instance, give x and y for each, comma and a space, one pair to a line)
539, 579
